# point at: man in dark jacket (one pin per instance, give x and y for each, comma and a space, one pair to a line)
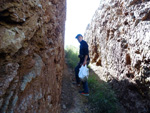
84, 60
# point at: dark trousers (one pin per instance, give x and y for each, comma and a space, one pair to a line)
85, 84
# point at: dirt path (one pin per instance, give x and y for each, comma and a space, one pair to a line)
71, 100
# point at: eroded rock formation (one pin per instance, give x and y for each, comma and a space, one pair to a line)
31, 55
119, 40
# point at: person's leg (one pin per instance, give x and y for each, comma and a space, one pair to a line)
85, 87
76, 73
85, 84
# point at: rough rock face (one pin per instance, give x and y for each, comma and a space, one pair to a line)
31, 55
119, 41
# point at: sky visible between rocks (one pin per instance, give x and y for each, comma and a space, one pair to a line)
79, 15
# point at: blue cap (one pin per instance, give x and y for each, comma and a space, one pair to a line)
79, 35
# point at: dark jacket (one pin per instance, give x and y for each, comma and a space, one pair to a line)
83, 51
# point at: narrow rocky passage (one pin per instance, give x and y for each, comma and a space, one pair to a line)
71, 100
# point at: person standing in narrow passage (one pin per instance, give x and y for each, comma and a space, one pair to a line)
84, 60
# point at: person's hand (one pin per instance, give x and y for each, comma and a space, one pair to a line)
84, 63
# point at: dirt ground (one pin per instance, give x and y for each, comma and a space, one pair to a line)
71, 100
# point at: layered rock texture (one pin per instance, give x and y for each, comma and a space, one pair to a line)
119, 42
31, 55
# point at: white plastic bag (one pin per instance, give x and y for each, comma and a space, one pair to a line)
83, 73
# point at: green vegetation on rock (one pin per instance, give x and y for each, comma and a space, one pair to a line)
71, 55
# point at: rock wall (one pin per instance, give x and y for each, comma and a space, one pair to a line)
31, 55
119, 42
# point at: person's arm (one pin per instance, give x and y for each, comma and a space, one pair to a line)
86, 52
85, 60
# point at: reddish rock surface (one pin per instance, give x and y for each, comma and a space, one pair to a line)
119, 42
31, 55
